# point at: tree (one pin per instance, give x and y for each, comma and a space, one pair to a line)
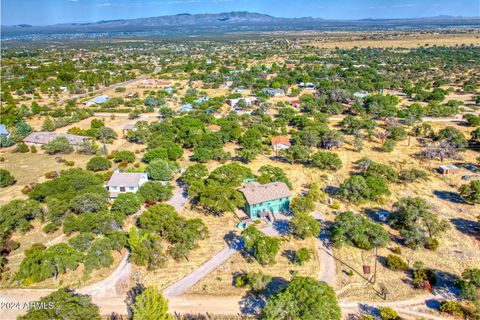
126, 204
270, 173
357, 230
263, 248
360, 189
124, 156
469, 284
6, 178
388, 145
454, 137
304, 225
88, 202
98, 163
326, 160
48, 125
154, 191
64, 304
98, 255
416, 223
302, 205
58, 145
219, 199
105, 134
151, 305
160, 170
296, 153
471, 192
304, 298
196, 172
388, 313
380, 170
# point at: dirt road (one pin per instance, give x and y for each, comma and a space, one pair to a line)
328, 271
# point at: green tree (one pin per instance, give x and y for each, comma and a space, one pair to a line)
151, 305
160, 170
257, 281
302, 205
64, 304
396, 263
303, 299
89, 202
48, 125
124, 156
326, 160
454, 137
98, 163
6, 178
357, 230
270, 173
154, 191
263, 248
304, 225
471, 192
126, 204
194, 173
380, 170
415, 221
58, 145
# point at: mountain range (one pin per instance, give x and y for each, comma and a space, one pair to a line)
237, 21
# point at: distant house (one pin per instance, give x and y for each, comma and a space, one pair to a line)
4, 131
214, 128
122, 182
265, 199
306, 85
360, 94
273, 92
249, 101
295, 103
186, 107
97, 100
42, 138
448, 169
201, 99
129, 127
280, 143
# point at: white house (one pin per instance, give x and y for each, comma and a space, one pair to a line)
121, 182
97, 100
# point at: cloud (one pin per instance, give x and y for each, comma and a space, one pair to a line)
73, 0
106, 4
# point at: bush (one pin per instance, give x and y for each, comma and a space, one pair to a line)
33, 149
396, 263
471, 192
22, 148
412, 175
6, 179
431, 243
452, 307
51, 174
326, 160
49, 228
397, 250
388, 313
388, 145
58, 145
124, 156
302, 205
98, 163
257, 281
303, 255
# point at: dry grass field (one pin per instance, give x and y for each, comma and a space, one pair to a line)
219, 282
175, 270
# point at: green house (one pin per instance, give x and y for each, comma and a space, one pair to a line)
263, 199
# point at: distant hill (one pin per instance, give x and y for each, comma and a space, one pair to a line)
234, 22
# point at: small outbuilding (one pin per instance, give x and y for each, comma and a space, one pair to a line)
448, 169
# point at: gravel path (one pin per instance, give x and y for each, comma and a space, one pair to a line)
328, 271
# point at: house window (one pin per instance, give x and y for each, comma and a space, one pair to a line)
122, 189
131, 188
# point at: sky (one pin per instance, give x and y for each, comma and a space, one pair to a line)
44, 12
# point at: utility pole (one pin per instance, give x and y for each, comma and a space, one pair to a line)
376, 259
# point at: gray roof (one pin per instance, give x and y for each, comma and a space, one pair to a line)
255, 192
127, 179
100, 99
46, 137
448, 166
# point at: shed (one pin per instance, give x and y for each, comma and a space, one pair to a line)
448, 169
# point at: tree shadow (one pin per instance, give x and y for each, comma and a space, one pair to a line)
445, 285
332, 191
448, 195
290, 255
234, 241
132, 294
468, 227
275, 285
282, 226
252, 304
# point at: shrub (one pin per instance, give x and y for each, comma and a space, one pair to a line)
49, 228
388, 145
397, 250
124, 156
303, 255
396, 263
257, 281
58, 145
6, 179
452, 307
22, 148
388, 313
51, 174
326, 160
33, 149
98, 163
431, 243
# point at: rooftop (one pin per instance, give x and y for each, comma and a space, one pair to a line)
281, 140
127, 179
255, 192
46, 137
